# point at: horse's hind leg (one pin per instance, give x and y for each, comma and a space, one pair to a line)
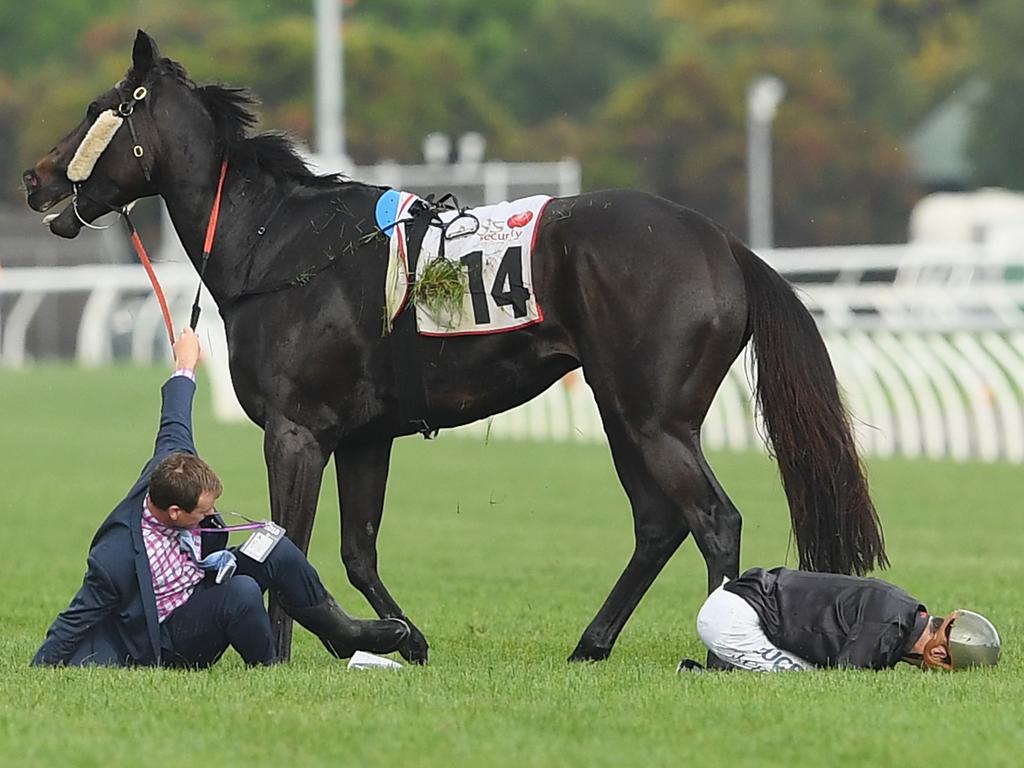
362, 470
655, 350
659, 529
717, 531
295, 466
673, 492
716, 527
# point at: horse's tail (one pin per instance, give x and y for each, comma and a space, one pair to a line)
834, 521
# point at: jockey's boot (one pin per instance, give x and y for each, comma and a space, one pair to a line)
343, 635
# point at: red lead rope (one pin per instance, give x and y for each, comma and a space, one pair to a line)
211, 226
141, 250
211, 229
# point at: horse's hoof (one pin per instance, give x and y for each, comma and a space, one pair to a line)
590, 653
414, 648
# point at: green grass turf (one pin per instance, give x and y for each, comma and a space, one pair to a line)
501, 553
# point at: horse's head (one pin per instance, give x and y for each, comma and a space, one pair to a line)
112, 157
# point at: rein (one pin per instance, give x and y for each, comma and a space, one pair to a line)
140, 249
211, 228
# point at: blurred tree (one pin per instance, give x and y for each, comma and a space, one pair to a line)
542, 59
838, 175
32, 33
938, 41
995, 143
274, 61
399, 90
868, 55
678, 133
53, 96
649, 92
569, 56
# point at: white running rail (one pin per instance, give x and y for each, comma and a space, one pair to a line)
927, 342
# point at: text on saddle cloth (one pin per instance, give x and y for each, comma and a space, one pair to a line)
493, 246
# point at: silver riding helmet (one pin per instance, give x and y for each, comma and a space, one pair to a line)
973, 641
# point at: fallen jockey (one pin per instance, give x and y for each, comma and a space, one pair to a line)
781, 620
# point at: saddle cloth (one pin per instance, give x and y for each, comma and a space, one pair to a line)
493, 245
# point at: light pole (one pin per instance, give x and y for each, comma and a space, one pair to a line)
763, 97
330, 85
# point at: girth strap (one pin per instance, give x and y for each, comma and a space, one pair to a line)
410, 387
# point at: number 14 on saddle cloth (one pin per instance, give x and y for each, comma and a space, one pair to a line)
493, 245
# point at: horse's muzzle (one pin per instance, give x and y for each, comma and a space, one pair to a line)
46, 184
31, 181
42, 195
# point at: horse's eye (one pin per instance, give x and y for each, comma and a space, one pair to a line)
93, 111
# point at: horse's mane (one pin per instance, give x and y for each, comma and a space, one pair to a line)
231, 110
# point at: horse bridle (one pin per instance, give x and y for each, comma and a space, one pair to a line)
125, 110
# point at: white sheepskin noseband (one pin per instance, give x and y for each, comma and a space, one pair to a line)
92, 146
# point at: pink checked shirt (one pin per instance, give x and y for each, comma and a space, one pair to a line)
175, 575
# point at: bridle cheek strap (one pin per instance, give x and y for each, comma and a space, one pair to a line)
101, 133
126, 109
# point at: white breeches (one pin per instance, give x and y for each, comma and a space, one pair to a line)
731, 630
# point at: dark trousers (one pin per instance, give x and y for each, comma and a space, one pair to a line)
232, 613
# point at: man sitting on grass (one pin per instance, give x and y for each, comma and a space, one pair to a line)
777, 620
159, 588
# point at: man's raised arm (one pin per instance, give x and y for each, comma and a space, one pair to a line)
176, 415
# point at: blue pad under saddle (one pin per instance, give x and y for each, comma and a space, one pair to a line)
387, 210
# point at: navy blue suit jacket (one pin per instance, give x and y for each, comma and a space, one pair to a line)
112, 620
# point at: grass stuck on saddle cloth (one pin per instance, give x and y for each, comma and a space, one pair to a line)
483, 282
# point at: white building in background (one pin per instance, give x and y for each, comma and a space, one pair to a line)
985, 216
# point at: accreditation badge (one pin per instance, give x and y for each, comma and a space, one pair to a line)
262, 542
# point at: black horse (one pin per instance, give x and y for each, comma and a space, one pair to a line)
652, 300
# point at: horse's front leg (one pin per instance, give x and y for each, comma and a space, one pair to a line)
362, 469
295, 467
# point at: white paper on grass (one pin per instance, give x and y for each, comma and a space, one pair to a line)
364, 660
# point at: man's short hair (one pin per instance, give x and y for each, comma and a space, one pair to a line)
180, 479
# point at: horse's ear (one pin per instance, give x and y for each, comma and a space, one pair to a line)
145, 54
